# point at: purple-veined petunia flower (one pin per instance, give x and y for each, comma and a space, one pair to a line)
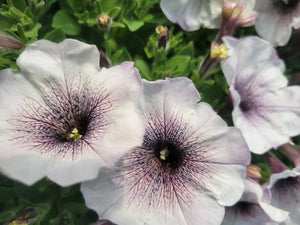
190, 165
276, 18
62, 118
265, 109
285, 193
251, 209
191, 14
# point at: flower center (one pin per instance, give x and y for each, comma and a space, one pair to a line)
245, 106
290, 3
75, 135
286, 6
168, 154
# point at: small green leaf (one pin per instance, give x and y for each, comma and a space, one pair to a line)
5, 22
116, 24
178, 65
56, 35
114, 12
21, 32
76, 5
133, 25
187, 50
20, 4
65, 21
33, 33
143, 68
120, 56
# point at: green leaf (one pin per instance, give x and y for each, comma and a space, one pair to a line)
33, 32
178, 65
187, 50
114, 12
120, 56
76, 5
143, 68
56, 35
5, 22
21, 32
133, 25
65, 21
151, 47
116, 24
20, 4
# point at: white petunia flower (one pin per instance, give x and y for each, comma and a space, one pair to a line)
265, 109
190, 165
276, 19
285, 193
251, 209
62, 118
191, 14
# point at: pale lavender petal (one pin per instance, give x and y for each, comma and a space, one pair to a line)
44, 60
265, 109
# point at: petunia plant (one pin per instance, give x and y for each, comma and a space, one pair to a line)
101, 119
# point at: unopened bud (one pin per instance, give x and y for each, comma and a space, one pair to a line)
26, 217
163, 39
218, 51
104, 21
9, 43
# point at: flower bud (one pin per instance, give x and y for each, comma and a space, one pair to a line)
104, 21
9, 43
163, 39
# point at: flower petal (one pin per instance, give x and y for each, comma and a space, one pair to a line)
241, 67
274, 24
14, 87
44, 59
160, 94
266, 111
107, 199
190, 14
127, 126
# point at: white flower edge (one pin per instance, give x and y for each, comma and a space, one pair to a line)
253, 194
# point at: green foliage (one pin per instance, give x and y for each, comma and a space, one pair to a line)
131, 36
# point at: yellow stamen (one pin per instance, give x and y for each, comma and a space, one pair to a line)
75, 135
164, 154
286, 1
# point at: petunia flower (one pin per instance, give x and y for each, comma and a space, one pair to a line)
62, 118
190, 165
285, 193
191, 14
265, 109
251, 209
276, 19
